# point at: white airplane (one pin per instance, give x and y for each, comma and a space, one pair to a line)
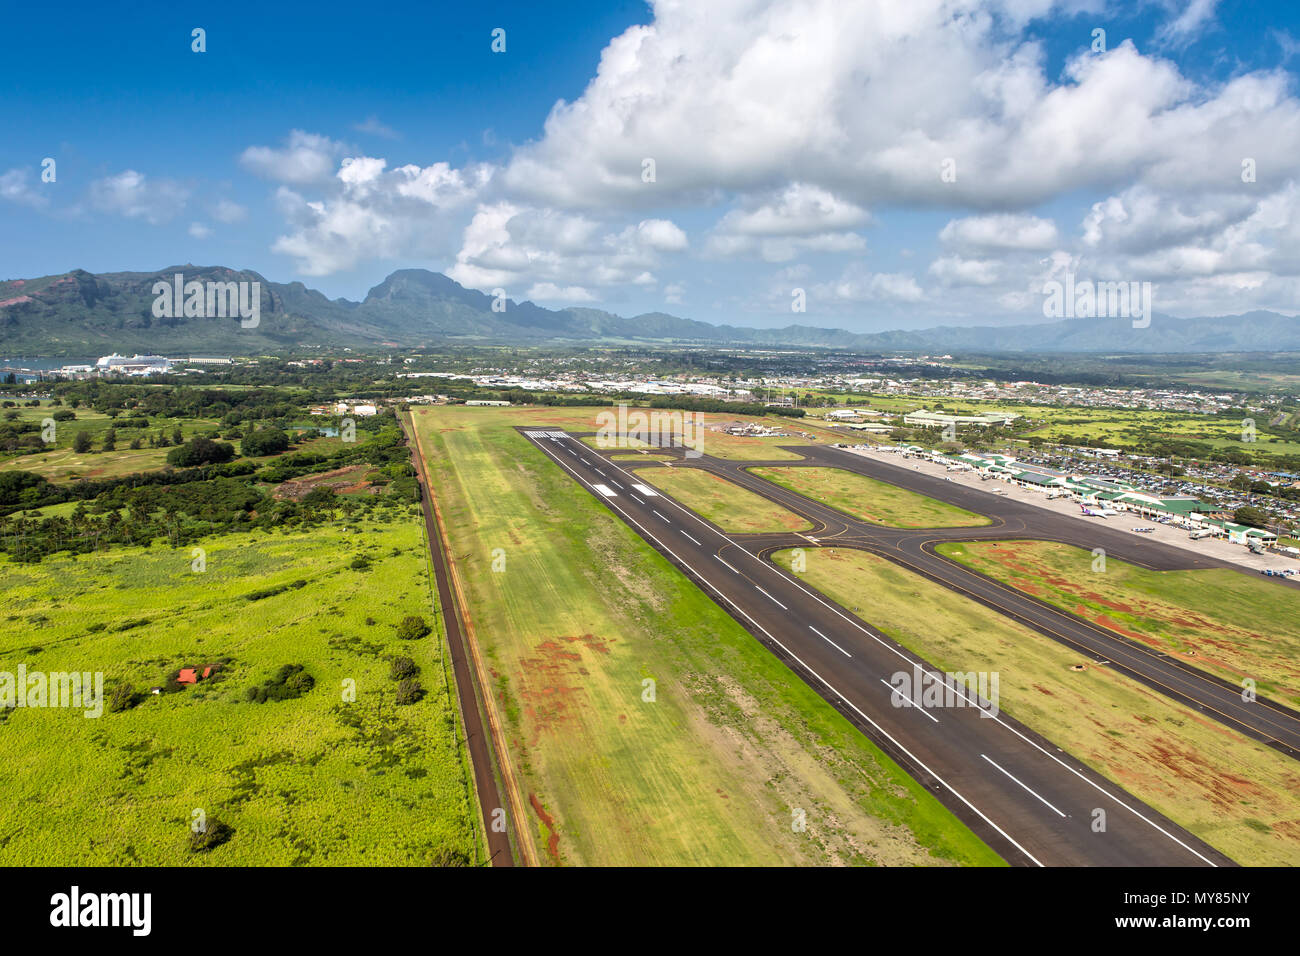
1096, 512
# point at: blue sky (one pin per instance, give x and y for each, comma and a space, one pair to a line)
797, 147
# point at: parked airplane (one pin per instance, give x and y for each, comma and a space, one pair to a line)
1096, 512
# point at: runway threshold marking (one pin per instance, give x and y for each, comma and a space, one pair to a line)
1027, 789
828, 640
895, 690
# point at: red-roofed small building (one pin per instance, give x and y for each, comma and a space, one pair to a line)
187, 676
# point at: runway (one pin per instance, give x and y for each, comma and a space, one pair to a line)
1264, 720
1033, 803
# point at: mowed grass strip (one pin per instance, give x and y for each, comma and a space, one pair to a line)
643, 721
867, 499
724, 503
1215, 619
320, 780
1241, 797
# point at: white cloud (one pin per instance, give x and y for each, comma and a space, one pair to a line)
1000, 231
305, 159
507, 245
1181, 29
550, 292
956, 271
859, 284
135, 196
796, 210
864, 101
370, 212
14, 187
374, 127
228, 212
199, 231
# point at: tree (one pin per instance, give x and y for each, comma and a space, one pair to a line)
1250, 515
412, 628
402, 667
409, 691
200, 451
81, 443
110, 440
264, 441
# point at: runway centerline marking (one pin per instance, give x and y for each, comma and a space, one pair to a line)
687, 535
1027, 789
829, 641
658, 515
772, 599
727, 566
895, 690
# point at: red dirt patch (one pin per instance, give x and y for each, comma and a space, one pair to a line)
548, 688
344, 481
552, 838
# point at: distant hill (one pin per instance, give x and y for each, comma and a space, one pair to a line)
80, 313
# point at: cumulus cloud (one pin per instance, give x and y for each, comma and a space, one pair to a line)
859, 284
304, 159
1000, 231
508, 245
865, 101
199, 230
370, 212
135, 196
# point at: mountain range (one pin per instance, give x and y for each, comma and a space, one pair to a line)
79, 313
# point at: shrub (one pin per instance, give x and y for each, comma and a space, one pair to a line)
124, 698
409, 691
412, 628
213, 835
289, 682
403, 667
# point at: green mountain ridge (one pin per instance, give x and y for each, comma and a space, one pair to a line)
80, 313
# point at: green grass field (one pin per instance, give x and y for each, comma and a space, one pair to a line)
316, 780
713, 767
1240, 796
727, 505
1230, 624
59, 462
867, 499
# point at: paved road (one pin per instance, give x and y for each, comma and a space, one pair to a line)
476, 740
1029, 800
